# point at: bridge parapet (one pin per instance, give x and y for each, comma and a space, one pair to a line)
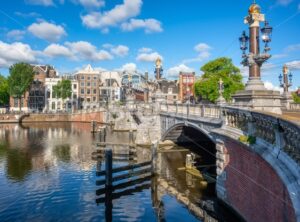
278, 133
189, 110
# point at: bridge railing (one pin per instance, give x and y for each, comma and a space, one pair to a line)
191, 110
278, 133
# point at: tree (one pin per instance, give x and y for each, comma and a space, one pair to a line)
19, 80
213, 71
63, 89
296, 98
4, 95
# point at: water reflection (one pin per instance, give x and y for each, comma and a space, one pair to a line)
45, 168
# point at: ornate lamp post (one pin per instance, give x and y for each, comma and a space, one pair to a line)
255, 58
287, 78
256, 96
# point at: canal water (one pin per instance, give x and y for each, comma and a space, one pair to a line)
47, 173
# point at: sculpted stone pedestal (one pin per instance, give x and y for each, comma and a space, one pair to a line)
261, 100
286, 101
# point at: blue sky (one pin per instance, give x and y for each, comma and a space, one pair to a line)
131, 34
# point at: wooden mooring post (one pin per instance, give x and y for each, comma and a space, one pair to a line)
133, 175
108, 168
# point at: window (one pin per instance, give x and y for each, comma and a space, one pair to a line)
74, 96
95, 77
170, 90
89, 78
82, 91
82, 84
74, 86
88, 91
53, 105
95, 91
94, 99
94, 84
82, 77
88, 100
58, 105
88, 84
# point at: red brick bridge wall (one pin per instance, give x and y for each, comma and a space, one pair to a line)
253, 188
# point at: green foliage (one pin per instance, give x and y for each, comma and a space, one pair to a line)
63, 89
296, 98
248, 139
221, 68
4, 95
19, 80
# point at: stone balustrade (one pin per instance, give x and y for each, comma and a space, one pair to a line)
191, 110
274, 131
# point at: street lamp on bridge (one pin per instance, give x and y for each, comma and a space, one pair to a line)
256, 96
255, 58
287, 78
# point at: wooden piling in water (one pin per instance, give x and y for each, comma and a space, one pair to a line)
108, 168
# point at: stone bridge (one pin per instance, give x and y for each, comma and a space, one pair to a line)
258, 178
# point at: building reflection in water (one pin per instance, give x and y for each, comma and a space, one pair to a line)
46, 149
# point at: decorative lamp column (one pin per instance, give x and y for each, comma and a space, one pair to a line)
287, 78
255, 58
221, 99
256, 96
286, 82
158, 69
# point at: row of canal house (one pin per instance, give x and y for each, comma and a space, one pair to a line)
92, 88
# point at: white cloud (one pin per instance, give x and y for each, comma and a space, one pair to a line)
279, 56
148, 57
292, 48
16, 52
100, 69
92, 3
47, 31
56, 50
270, 86
107, 46
27, 15
284, 2
129, 67
120, 50
174, 71
203, 51
295, 65
150, 25
202, 47
40, 2
145, 50
267, 67
15, 34
87, 51
117, 15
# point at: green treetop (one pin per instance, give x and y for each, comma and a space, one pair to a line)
63, 89
4, 95
213, 71
19, 80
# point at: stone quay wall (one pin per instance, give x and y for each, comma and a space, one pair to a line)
98, 116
